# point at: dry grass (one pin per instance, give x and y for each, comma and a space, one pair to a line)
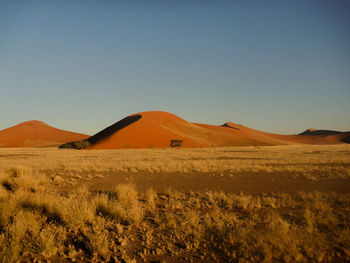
304, 161
122, 225
38, 221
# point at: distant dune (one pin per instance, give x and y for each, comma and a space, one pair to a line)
327, 135
36, 134
314, 132
158, 129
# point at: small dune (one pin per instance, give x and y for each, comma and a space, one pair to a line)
314, 132
36, 134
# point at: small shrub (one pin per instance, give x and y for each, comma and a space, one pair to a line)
175, 143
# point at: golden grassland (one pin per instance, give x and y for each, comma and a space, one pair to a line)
41, 220
297, 161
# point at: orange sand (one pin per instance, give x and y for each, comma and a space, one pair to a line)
36, 134
155, 129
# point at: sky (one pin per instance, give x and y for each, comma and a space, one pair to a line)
278, 66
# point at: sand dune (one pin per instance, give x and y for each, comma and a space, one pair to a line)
318, 137
326, 136
36, 134
314, 132
157, 129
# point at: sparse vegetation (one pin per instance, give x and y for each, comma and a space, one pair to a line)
297, 161
40, 219
76, 145
175, 143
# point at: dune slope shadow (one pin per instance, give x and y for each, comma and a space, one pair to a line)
102, 134
229, 126
346, 138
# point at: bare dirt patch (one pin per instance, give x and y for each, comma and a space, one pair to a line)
252, 184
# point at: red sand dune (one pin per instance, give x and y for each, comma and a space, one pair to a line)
155, 129
277, 139
36, 134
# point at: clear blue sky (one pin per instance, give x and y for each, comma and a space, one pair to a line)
278, 66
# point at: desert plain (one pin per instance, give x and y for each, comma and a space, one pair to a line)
174, 131
288, 203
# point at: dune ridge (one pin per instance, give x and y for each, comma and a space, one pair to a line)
105, 133
158, 129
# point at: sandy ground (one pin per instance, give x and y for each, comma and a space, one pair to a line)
257, 184
230, 169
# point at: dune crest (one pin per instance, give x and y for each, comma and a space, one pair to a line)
232, 125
